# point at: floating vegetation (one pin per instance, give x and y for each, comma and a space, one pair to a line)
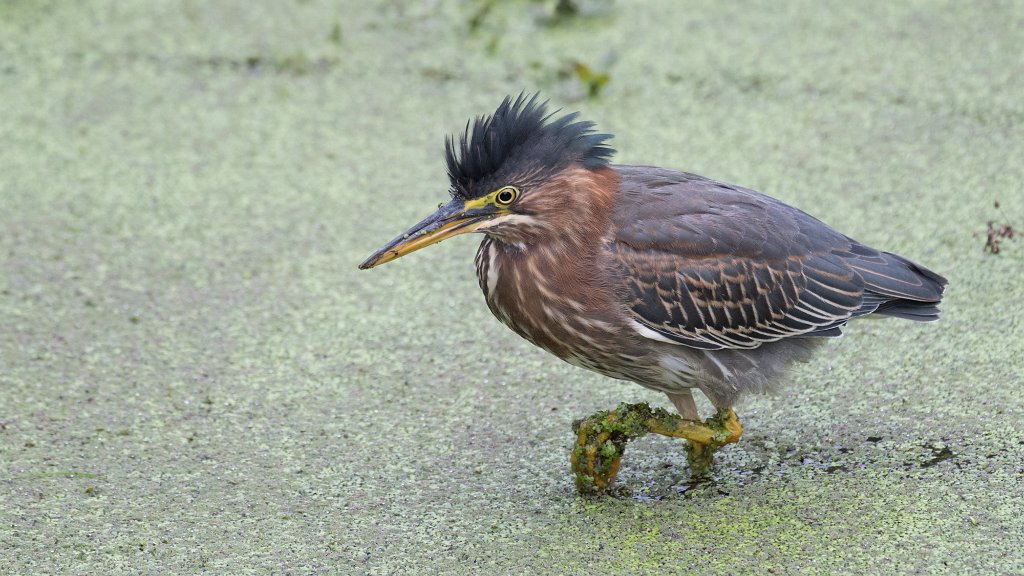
593, 81
563, 12
335, 36
477, 16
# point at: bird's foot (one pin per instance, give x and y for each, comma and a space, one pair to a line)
601, 440
700, 454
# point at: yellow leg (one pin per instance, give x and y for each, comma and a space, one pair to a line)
601, 440
700, 454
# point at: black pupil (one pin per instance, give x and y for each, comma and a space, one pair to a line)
505, 196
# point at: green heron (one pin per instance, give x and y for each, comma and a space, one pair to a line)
668, 279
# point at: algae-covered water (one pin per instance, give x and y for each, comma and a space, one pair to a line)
195, 378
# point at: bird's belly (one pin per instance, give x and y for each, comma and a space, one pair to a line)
558, 317
603, 347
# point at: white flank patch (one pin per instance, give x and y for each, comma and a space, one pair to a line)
648, 333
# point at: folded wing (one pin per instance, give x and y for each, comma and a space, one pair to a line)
713, 266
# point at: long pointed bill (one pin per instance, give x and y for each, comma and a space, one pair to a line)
451, 219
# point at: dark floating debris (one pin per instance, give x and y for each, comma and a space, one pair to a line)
996, 233
938, 455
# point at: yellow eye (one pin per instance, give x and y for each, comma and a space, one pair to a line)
506, 196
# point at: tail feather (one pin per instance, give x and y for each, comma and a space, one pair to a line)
895, 286
917, 311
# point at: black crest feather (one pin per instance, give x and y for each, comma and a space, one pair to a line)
518, 145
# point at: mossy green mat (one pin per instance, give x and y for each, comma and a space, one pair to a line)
195, 378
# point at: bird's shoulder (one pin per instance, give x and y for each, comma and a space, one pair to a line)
689, 215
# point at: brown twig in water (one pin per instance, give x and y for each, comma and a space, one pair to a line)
996, 233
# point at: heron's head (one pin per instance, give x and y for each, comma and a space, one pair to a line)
517, 175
